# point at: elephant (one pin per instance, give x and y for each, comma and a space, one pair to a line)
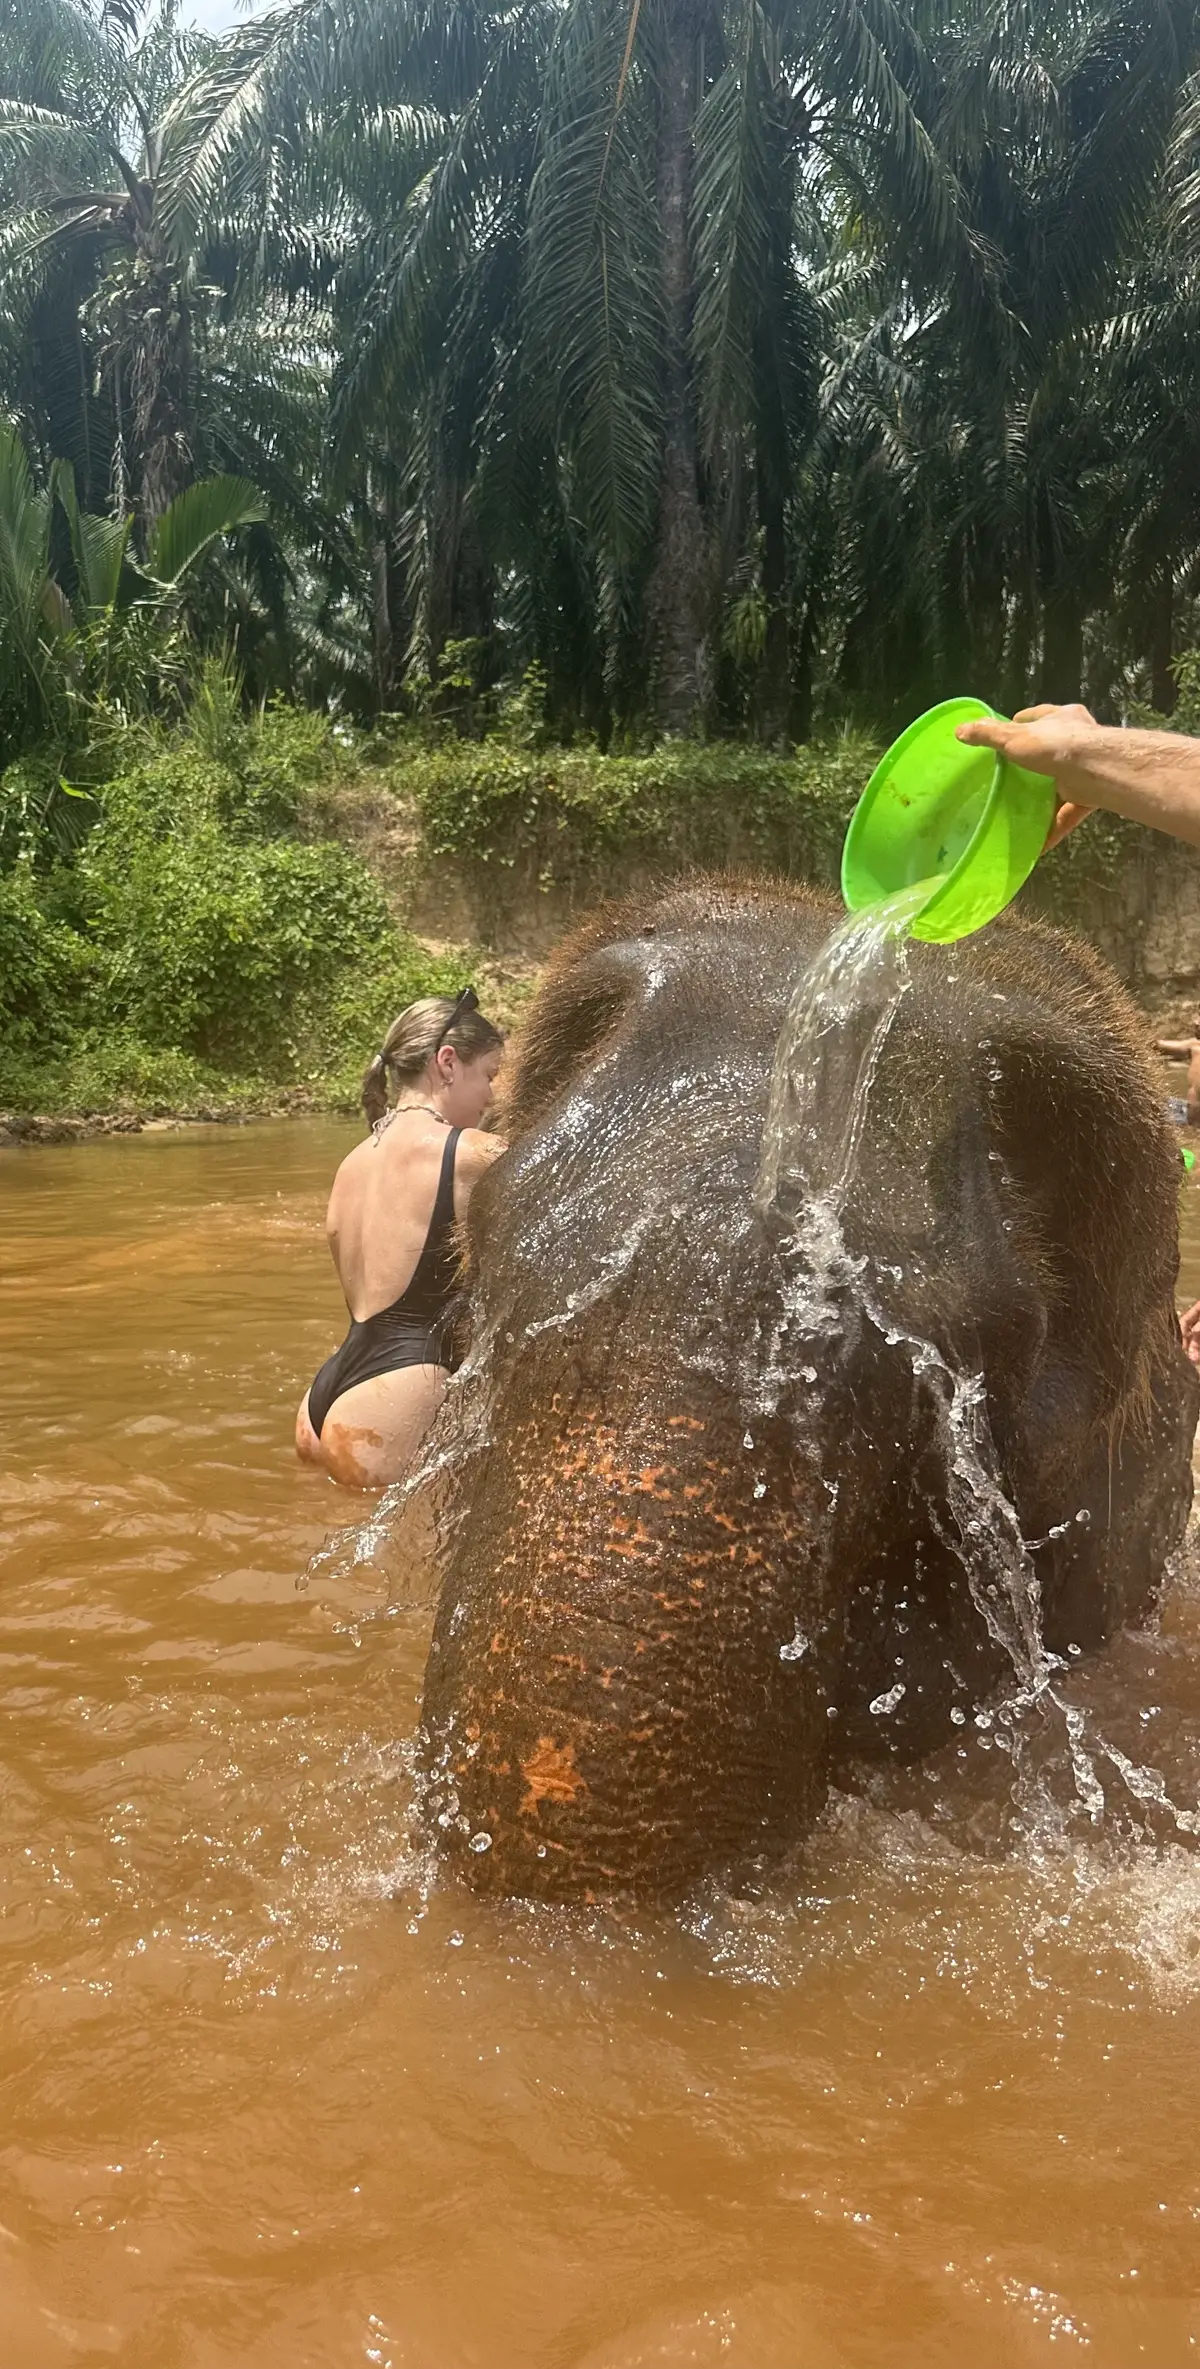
819, 1387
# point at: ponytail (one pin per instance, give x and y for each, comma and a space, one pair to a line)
375, 1090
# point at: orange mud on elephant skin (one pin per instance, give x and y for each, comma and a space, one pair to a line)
705, 1510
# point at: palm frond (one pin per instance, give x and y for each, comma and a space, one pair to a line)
198, 518
99, 545
24, 553
51, 153
594, 299
734, 193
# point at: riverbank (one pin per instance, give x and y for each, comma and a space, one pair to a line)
19, 1128
221, 925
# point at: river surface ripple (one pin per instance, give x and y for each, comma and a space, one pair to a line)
272, 2097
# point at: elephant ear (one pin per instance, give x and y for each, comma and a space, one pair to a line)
576, 1010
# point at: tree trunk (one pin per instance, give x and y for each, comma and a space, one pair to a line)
772, 462
1164, 690
1058, 579
1018, 654
159, 347
443, 527
1062, 644
85, 418
774, 686
381, 616
680, 590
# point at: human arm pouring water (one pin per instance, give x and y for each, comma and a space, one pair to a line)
1151, 777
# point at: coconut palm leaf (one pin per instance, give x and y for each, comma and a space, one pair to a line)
593, 310
98, 545
195, 520
28, 608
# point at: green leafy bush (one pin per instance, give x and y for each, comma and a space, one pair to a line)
45, 973
556, 812
212, 938
229, 951
255, 777
201, 944
43, 819
107, 1070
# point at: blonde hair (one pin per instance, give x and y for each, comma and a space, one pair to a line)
413, 1041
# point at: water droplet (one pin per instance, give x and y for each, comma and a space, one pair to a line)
748, 1441
456, 1941
883, 1703
541, 1851
959, 1717
480, 1842
796, 1646
760, 1488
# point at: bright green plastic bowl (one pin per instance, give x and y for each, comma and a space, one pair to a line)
963, 820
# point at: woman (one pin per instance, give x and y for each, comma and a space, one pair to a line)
394, 1204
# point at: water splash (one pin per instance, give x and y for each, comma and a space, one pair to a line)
842, 1012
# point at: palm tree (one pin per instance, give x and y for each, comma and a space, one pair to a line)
981, 439
718, 354
80, 164
589, 223
71, 600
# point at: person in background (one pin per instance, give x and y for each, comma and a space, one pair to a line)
1184, 1108
395, 1202
1150, 777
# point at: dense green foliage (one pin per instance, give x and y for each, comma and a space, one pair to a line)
739, 363
573, 818
203, 937
197, 946
479, 390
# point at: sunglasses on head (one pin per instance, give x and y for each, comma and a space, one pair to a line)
468, 1001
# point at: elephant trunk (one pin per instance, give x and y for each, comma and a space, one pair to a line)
633, 1687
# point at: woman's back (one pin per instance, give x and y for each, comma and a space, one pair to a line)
391, 1229
383, 1201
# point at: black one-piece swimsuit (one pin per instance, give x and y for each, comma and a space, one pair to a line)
417, 1328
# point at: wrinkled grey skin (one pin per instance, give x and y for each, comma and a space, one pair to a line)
717, 1484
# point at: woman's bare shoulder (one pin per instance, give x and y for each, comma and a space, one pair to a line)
347, 1186
355, 1166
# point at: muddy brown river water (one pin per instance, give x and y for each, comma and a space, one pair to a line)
273, 2097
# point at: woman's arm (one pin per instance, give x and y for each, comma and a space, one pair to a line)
1152, 777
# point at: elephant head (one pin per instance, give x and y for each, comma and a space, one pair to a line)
781, 1338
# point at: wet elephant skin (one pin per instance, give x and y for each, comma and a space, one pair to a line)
698, 1515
